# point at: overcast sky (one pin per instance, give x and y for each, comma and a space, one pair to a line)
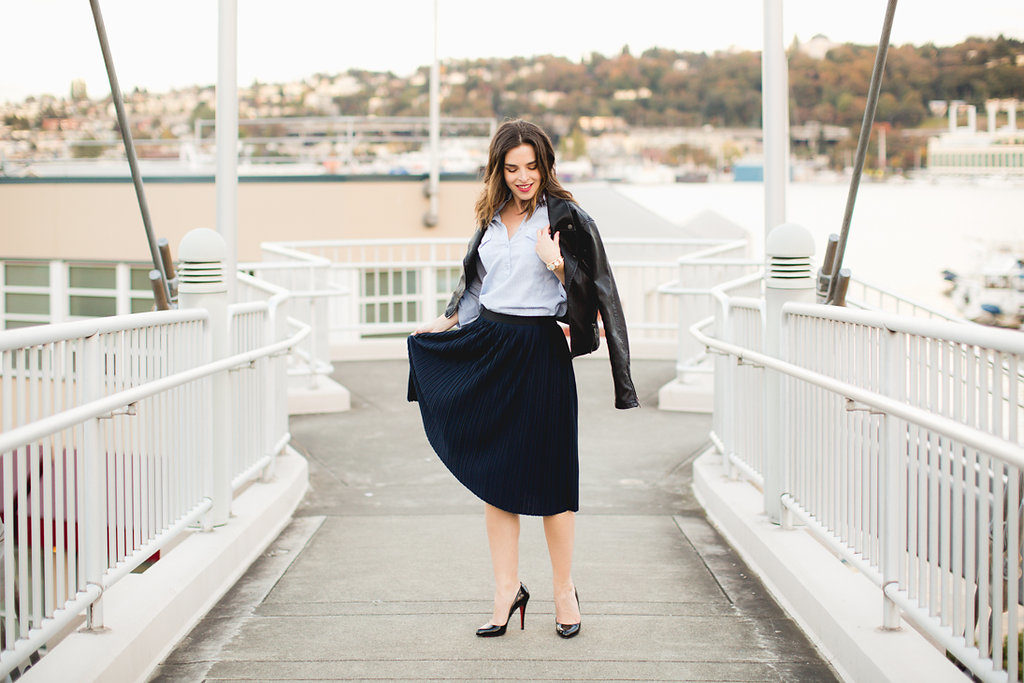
45, 44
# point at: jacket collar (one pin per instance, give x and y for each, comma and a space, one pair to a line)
559, 215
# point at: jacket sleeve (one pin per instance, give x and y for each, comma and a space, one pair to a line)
614, 322
469, 304
461, 288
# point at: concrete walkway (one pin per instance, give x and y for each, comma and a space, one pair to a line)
385, 574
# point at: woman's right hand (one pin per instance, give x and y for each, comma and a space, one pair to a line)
439, 324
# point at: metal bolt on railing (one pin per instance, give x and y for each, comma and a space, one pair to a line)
852, 406
130, 411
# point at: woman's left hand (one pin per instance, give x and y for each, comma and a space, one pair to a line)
547, 247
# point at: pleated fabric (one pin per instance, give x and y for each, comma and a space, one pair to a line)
498, 401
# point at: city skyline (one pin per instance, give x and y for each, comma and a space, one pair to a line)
158, 50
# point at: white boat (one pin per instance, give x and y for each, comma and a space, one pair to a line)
995, 294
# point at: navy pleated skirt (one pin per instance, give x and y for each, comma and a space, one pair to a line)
498, 401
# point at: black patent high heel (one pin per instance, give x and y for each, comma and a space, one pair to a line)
569, 630
522, 597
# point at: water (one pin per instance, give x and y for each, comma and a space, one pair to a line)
902, 234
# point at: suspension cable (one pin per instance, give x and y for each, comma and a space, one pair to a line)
862, 145
129, 145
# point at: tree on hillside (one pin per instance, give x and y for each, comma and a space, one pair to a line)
201, 111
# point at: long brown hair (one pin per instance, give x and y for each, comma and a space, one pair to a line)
510, 135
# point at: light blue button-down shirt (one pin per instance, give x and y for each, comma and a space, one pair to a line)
510, 277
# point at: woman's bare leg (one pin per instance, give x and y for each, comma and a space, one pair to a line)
560, 531
503, 536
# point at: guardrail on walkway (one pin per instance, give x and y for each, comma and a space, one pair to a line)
703, 273
302, 283
902, 443
397, 283
108, 449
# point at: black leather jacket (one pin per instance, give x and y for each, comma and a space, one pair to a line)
589, 287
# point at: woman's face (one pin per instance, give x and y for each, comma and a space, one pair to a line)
521, 173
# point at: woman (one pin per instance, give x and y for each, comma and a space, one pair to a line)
497, 393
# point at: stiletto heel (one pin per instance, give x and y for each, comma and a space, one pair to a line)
522, 597
569, 630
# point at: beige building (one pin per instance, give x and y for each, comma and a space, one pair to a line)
77, 247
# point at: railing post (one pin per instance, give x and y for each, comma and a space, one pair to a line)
272, 386
319, 321
789, 248
684, 326
202, 252
785, 415
60, 301
894, 374
314, 334
314, 346
724, 394
356, 278
93, 487
428, 285
281, 372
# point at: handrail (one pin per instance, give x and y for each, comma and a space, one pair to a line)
388, 241
283, 249
874, 544
1009, 452
188, 500
1005, 341
26, 434
718, 292
244, 307
48, 334
268, 287
747, 302
910, 302
716, 248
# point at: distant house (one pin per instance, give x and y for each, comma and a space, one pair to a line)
817, 47
601, 124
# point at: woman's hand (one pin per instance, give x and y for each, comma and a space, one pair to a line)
439, 324
548, 251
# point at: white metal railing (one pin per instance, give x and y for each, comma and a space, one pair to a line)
48, 566
735, 383
105, 452
873, 297
698, 273
397, 283
902, 443
724, 264
309, 293
273, 380
253, 399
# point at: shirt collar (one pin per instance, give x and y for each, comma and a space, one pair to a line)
543, 201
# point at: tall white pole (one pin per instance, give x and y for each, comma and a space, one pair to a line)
774, 117
435, 130
227, 137
775, 132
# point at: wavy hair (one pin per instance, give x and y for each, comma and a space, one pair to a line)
510, 135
